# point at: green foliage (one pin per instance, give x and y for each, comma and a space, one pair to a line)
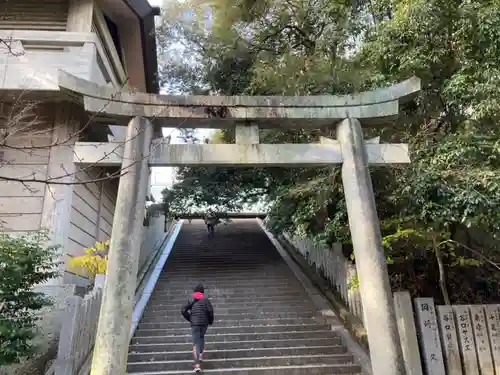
25, 261
353, 284
450, 190
455, 181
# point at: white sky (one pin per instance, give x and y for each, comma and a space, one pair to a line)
164, 176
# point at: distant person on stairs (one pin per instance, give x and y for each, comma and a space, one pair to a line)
211, 221
199, 312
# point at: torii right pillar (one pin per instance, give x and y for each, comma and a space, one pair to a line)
378, 305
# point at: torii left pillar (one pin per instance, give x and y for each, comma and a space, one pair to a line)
115, 320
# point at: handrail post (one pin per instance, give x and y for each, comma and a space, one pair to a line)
65, 362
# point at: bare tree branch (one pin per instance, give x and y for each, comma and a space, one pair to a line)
32, 121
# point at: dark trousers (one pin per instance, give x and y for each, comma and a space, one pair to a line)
211, 230
198, 334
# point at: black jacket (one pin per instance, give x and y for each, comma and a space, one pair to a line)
198, 311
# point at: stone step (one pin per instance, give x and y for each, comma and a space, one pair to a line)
154, 303
334, 359
257, 263
316, 369
247, 267
229, 323
228, 337
196, 261
217, 272
233, 284
237, 279
224, 306
167, 303
265, 323
232, 345
207, 250
224, 289
227, 290
252, 263
223, 256
222, 252
231, 293
208, 275
240, 329
176, 318
238, 353
175, 310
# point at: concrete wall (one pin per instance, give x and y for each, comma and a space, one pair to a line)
92, 211
93, 57
61, 34
34, 66
107, 210
78, 214
153, 236
34, 14
35, 63
98, 72
21, 203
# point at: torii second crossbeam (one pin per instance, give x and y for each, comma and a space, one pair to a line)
239, 155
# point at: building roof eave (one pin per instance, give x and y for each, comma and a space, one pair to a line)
149, 53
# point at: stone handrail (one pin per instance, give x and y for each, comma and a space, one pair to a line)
332, 265
428, 333
79, 326
78, 332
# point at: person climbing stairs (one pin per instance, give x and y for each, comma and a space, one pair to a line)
264, 320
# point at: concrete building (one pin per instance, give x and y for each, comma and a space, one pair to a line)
108, 42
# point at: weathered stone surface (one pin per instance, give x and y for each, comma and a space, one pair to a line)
493, 321
483, 348
448, 330
225, 111
401, 91
466, 339
430, 342
37, 70
247, 134
291, 155
268, 117
407, 333
378, 304
115, 320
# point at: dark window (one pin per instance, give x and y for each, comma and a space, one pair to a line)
113, 30
95, 132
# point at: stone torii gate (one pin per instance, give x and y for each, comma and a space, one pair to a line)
349, 113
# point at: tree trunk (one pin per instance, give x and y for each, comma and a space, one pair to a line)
442, 275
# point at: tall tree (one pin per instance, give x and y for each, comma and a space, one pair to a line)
430, 210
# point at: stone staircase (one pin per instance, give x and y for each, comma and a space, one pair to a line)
264, 321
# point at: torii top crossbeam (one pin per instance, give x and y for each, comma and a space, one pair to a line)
370, 107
